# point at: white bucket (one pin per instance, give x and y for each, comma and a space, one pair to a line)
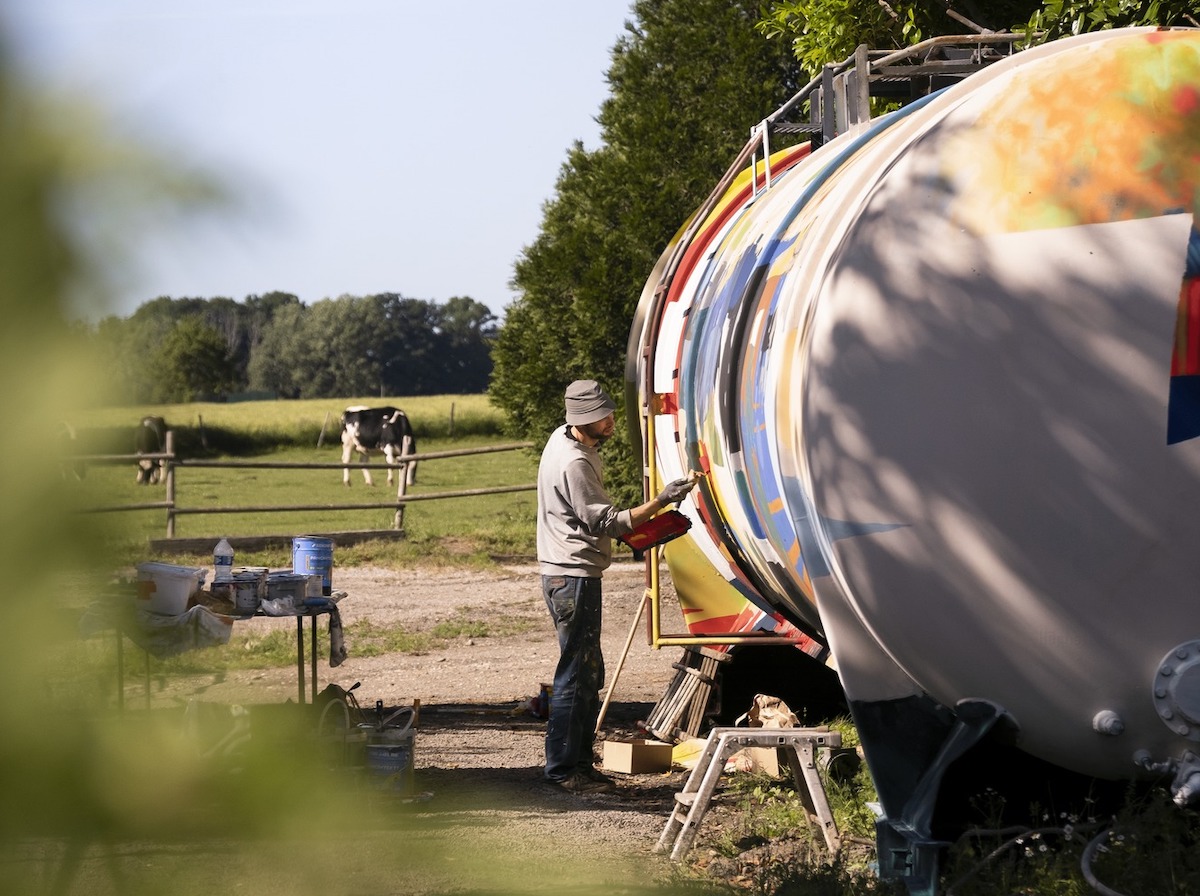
165, 588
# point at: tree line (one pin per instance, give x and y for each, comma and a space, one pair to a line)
189, 349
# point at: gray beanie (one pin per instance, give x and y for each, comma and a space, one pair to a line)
587, 403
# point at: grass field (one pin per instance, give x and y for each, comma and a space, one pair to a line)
240, 427
462, 529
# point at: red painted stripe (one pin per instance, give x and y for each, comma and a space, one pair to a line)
728, 206
1185, 359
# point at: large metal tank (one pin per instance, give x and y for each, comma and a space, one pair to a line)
943, 377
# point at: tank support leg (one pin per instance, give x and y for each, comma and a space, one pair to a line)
907, 850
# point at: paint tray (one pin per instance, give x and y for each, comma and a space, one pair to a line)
657, 530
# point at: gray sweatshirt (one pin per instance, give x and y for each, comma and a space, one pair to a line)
575, 514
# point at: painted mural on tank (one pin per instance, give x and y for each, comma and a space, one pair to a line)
943, 380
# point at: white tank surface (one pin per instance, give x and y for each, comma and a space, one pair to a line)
944, 376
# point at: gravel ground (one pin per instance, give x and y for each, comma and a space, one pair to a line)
478, 748
497, 668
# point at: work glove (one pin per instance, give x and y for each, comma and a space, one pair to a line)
676, 491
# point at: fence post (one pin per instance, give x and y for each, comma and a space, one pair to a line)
401, 491
451, 419
170, 477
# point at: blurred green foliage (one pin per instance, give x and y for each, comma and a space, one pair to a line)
180, 801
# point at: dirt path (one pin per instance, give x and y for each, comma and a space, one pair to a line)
478, 751
496, 668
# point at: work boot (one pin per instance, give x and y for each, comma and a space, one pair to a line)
594, 774
580, 783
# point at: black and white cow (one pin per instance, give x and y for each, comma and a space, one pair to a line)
150, 438
387, 430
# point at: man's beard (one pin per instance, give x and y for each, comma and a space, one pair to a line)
592, 431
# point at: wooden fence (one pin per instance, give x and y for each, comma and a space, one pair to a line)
172, 465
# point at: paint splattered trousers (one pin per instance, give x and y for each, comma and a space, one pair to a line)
575, 607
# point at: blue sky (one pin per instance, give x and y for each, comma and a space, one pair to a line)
374, 145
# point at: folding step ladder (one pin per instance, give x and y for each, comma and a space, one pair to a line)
798, 745
680, 712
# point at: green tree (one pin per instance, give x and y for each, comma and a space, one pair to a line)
126, 362
408, 350
230, 320
384, 344
192, 363
466, 333
281, 352
687, 81
137, 344
830, 30
133, 347
342, 348
1062, 18
261, 310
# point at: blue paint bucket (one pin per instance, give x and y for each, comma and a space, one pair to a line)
313, 556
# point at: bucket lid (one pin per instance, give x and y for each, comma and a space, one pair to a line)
169, 569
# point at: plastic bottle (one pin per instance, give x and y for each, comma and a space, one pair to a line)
223, 561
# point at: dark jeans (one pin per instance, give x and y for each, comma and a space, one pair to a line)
574, 605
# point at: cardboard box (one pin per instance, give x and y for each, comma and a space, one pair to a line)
766, 761
637, 757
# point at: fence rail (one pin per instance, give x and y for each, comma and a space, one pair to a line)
327, 465
173, 464
399, 502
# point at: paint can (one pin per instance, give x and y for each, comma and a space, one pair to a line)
541, 703
390, 759
248, 585
284, 584
314, 556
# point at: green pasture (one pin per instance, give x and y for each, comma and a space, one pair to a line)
454, 529
260, 426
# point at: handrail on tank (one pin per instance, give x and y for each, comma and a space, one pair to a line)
652, 317
653, 590
873, 61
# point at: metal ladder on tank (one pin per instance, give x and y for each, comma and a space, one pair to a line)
798, 745
839, 98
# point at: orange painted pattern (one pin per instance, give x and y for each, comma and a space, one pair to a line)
1025, 167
